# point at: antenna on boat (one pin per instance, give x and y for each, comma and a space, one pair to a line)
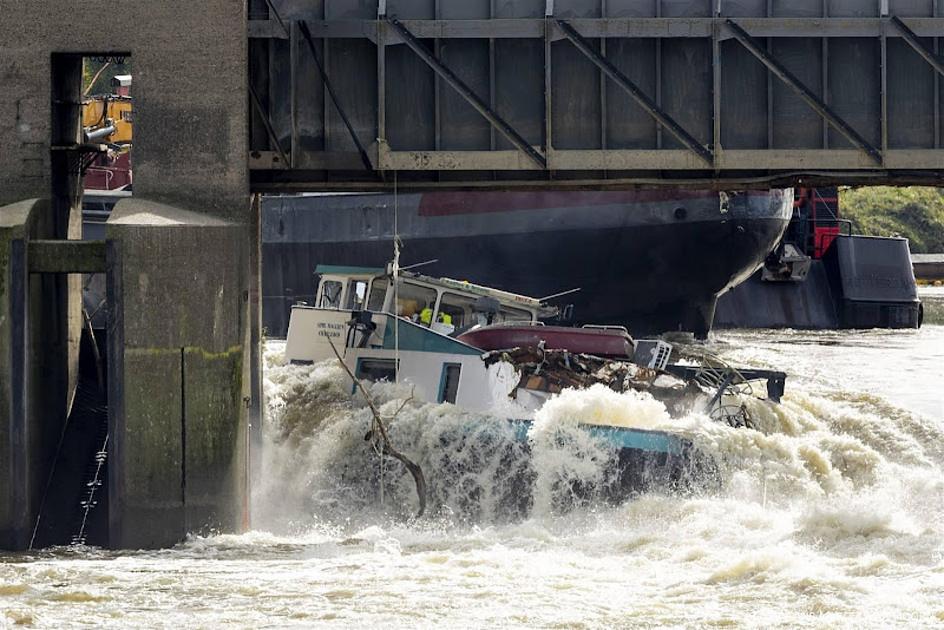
557, 295
419, 264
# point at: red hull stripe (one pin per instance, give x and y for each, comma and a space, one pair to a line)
438, 204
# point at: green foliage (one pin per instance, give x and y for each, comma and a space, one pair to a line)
90, 68
917, 213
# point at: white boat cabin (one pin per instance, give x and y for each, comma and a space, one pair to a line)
443, 304
354, 311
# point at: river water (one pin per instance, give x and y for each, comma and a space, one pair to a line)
830, 514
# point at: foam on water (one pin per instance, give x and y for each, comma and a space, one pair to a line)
830, 493
808, 451
807, 446
602, 406
829, 514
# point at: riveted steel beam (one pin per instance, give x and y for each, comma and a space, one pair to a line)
459, 86
635, 92
270, 130
747, 162
636, 27
278, 18
781, 72
912, 39
306, 33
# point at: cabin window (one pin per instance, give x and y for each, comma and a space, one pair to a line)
330, 294
416, 303
376, 370
449, 385
457, 310
378, 291
356, 293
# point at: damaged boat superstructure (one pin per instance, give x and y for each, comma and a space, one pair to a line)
487, 352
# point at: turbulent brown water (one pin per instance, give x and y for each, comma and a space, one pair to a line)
831, 514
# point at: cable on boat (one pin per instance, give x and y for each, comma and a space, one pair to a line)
716, 374
395, 276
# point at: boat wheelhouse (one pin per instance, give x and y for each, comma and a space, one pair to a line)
457, 303
443, 305
408, 330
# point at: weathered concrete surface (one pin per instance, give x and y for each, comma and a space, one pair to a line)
178, 255
35, 383
189, 65
177, 361
14, 491
58, 256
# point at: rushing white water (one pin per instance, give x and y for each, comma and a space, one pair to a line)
830, 514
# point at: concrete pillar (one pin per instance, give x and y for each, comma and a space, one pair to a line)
178, 262
35, 368
15, 509
178, 355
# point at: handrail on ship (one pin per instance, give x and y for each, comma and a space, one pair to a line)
845, 222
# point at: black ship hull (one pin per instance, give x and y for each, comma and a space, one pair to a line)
653, 261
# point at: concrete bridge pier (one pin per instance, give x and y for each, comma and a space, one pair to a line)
178, 373
181, 345
36, 351
179, 377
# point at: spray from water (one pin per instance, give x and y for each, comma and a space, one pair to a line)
808, 450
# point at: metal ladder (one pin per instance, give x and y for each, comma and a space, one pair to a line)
92, 482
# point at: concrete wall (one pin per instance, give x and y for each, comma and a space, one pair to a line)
178, 385
179, 335
928, 267
189, 91
15, 485
34, 405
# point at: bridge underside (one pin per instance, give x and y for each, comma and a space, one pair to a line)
594, 93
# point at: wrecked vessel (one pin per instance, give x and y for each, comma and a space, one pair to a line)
449, 342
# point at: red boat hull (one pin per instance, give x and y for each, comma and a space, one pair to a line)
608, 343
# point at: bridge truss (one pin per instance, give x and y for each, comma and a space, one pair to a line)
594, 93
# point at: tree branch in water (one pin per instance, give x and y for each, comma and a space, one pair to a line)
388, 448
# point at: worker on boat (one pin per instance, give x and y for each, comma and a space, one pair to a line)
426, 316
443, 324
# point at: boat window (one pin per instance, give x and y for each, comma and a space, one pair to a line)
377, 369
449, 386
330, 294
416, 302
457, 310
378, 291
356, 293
